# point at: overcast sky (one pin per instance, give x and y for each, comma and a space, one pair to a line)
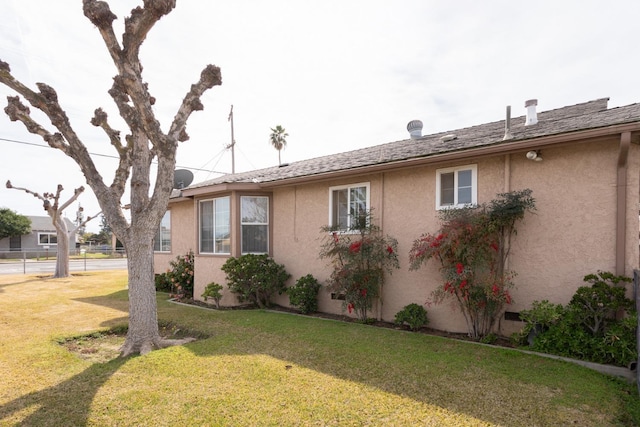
336, 74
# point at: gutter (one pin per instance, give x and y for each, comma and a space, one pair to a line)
621, 202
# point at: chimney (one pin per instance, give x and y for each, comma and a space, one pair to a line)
415, 129
532, 116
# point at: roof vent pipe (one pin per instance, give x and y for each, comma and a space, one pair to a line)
415, 129
507, 125
532, 116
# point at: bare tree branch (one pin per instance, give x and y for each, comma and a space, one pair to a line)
140, 22
209, 78
101, 16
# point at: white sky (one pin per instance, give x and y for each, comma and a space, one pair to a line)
336, 74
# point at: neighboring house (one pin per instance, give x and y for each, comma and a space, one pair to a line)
582, 163
41, 240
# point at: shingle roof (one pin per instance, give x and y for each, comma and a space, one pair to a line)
43, 223
585, 116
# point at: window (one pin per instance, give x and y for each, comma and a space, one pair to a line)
162, 241
47, 239
254, 222
346, 203
215, 226
456, 187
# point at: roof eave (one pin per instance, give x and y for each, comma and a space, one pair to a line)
500, 147
220, 188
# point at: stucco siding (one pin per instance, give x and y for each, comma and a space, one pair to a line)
183, 235
572, 233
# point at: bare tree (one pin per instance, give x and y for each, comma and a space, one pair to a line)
145, 142
51, 204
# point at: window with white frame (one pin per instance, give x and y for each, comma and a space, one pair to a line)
47, 239
162, 241
456, 187
215, 226
347, 203
254, 224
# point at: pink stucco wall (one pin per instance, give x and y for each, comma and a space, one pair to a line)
571, 234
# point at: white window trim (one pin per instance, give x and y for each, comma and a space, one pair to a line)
367, 185
255, 223
474, 186
48, 234
159, 234
212, 200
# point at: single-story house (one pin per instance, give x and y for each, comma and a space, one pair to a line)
582, 163
42, 239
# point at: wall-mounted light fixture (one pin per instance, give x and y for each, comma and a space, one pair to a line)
534, 155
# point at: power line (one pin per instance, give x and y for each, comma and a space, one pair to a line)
15, 141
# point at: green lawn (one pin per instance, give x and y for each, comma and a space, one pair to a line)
262, 368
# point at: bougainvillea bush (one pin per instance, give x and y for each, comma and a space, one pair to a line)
180, 275
471, 247
360, 257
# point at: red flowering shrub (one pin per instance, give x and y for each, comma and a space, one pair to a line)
180, 275
360, 257
472, 247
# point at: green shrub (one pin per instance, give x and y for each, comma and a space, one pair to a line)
255, 278
413, 315
163, 284
597, 305
304, 294
588, 327
213, 291
538, 319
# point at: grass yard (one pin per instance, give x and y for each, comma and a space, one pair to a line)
257, 368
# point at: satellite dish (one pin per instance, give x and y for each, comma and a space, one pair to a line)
182, 178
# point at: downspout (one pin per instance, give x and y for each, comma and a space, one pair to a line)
507, 189
621, 205
379, 316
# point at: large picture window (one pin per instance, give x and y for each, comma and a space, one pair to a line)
254, 215
46, 239
162, 241
346, 203
456, 187
215, 226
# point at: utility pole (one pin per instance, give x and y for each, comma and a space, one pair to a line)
233, 142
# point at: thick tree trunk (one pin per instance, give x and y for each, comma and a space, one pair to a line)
62, 256
143, 335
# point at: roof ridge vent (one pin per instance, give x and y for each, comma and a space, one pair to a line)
532, 116
415, 129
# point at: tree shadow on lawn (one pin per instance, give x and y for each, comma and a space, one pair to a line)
22, 282
430, 380
69, 400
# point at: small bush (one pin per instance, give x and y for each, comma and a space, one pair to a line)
413, 315
213, 291
255, 278
163, 284
538, 319
304, 294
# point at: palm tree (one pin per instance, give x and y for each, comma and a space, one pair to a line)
278, 139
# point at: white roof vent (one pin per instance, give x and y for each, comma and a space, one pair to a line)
532, 116
415, 129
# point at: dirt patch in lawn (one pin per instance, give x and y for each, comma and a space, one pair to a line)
103, 346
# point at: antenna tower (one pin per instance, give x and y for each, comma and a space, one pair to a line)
233, 142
